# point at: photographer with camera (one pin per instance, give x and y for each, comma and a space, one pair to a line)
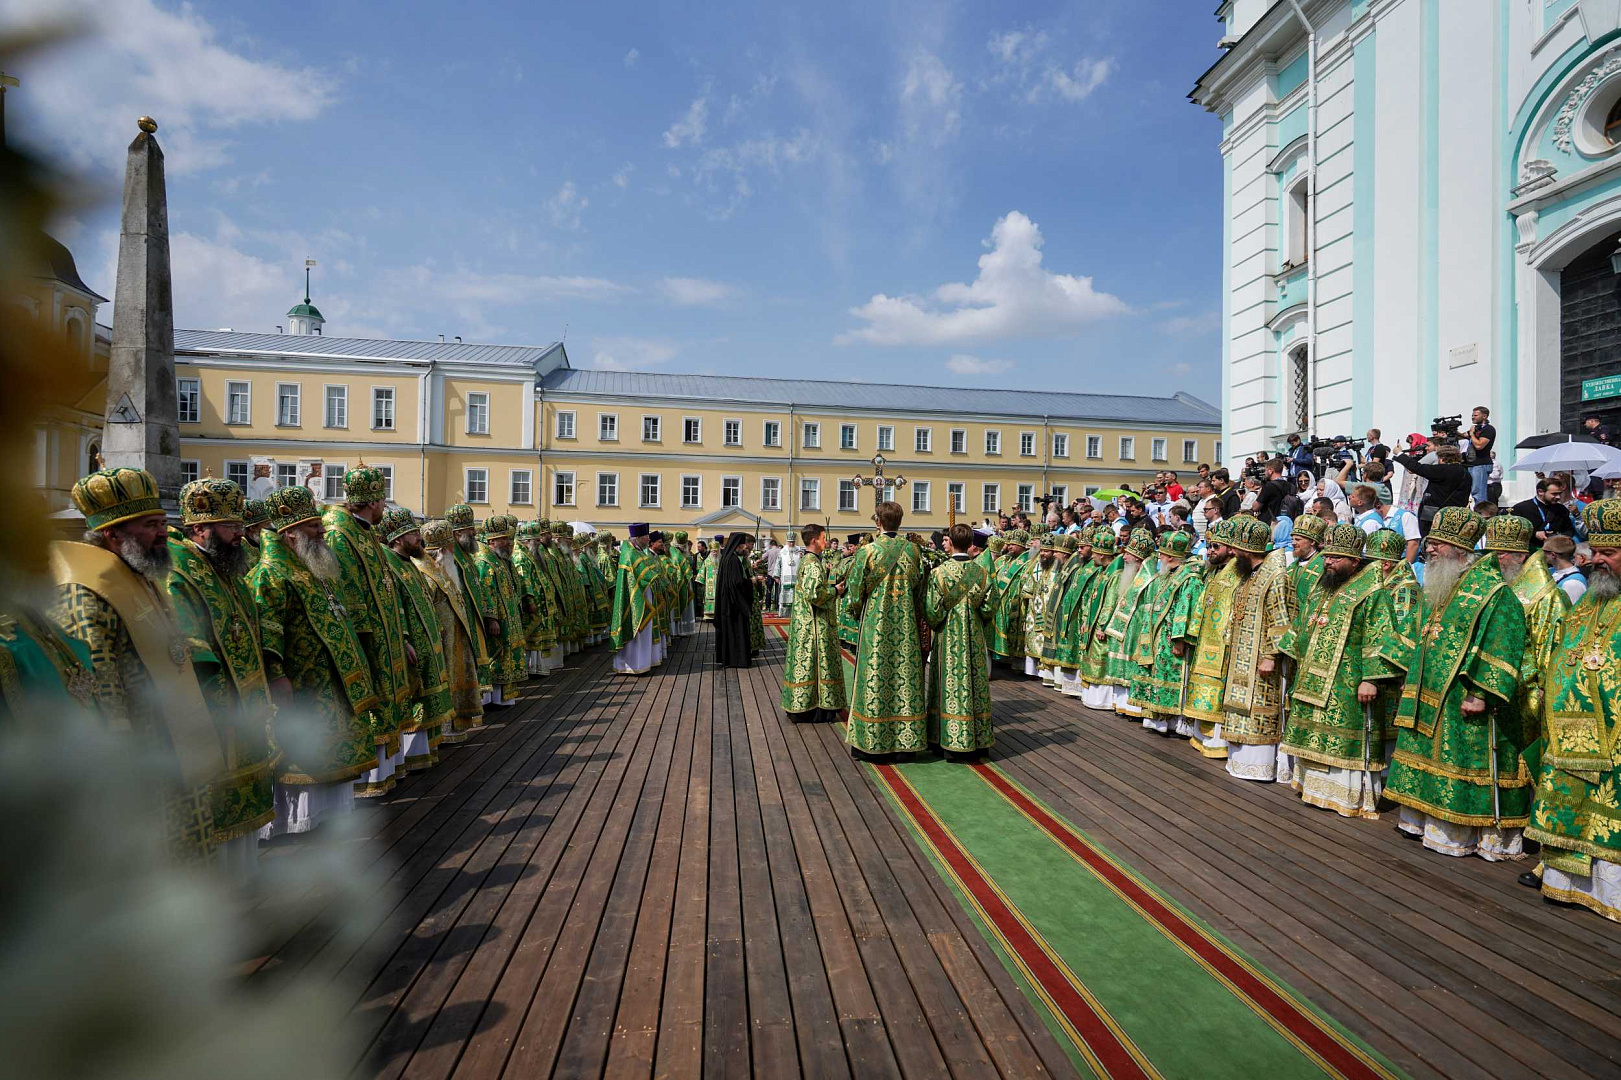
1300, 459
1482, 437
1274, 489
1449, 481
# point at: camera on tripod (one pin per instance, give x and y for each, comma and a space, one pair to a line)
1450, 426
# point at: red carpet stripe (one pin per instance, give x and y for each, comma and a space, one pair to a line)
1332, 1050
1099, 1038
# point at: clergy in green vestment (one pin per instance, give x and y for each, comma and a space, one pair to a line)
599, 592
1456, 730
482, 608
1033, 584
1264, 608
1069, 636
1133, 595
544, 565
1387, 549
1309, 531
376, 613
574, 629
1072, 564
1576, 814
208, 586
255, 519
494, 563
959, 688
707, 575
631, 624
459, 637
1162, 644
43, 672
812, 675
1341, 645
1005, 599
849, 623
319, 675
431, 707
538, 601
1209, 630
885, 589
1096, 611
1509, 539
685, 569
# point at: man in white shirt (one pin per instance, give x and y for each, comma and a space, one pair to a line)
787, 571
1560, 551
1402, 521
773, 563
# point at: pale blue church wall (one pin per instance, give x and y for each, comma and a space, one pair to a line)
1552, 9
1292, 75
1365, 59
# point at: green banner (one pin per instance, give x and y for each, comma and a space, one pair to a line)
1607, 387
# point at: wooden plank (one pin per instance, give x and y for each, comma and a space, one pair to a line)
726, 1001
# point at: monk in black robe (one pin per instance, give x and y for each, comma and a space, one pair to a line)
734, 601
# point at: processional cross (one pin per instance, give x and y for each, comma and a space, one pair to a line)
883, 486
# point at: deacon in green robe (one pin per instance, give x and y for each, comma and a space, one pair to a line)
431, 706
812, 675
711, 565
885, 587
959, 689
1209, 630
537, 601
1163, 645
1005, 599
574, 629
631, 625
599, 594
1456, 731
1069, 635
377, 614
685, 569
459, 636
208, 587
849, 618
479, 605
1033, 585
1097, 609
1576, 814
494, 563
1341, 645
1133, 593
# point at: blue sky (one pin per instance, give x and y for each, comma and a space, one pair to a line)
938, 193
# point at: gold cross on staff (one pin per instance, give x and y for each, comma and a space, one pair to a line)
882, 485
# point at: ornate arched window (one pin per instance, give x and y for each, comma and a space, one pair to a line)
1299, 389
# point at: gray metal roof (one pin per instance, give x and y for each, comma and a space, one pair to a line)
317, 346
811, 393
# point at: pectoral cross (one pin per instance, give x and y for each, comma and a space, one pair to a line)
883, 486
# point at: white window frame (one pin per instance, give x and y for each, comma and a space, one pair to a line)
697, 424
1060, 494
921, 496
993, 443
1128, 448
854, 492
810, 435
332, 480
190, 469
612, 420
247, 399
1217, 457
298, 404
658, 490
959, 441
1026, 498
886, 438
957, 496
528, 477
733, 484
990, 498
810, 493
697, 500
1190, 451
1159, 449
1027, 444
286, 474
852, 443
614, 478
342, 402
478, 404
557, 424
483, 477
393, 400
1094, 448
388, 481
1090, 490
923, 440
558, 482
194, 394
241, 465
658, 428
775, 502
1060, 444
770, 433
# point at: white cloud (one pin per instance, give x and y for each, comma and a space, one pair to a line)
1180, 368
963, 364
768, 152
1024, 58
1017, 47
1014, 296
632, 57
622, 177
689, 130
166, 62
1077, 84
630, 353
931, 100
566, 206
695, 292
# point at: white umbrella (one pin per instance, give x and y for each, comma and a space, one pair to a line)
1612, 471
1568, 457
581, 528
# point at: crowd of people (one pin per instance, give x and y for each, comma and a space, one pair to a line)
1482, 704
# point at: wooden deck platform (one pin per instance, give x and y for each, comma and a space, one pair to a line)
662, 876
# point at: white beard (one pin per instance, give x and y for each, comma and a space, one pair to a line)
151, 563
1512, 570
1441, 576
1602, 585
317, 558
446, 558
1128, 575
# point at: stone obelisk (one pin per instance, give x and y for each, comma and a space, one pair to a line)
143, 428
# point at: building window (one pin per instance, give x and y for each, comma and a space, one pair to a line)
1061, 446
286, 474
388, 481
522, 487
810, 494
922, 440
1297, 238
1300, 389
237, 473
650, 489
382, 408
692, 492
190, 393
770, 493
287, 404
847, 496
812, 439
1218, 453
770, 435
238, 403
731, 492
1159, 449
1027, 497
332, 481
920, 497
1128, 447
652, 429
1060, 495
337, 406
190, 471
957, 494
1190, 451
477, 485
1090, 490
847, 436
886, 438
959, 441
692, 430
993, 442
1027, 444
565, 425
1094, 446
563, 489
608, 427
607, 489
990, 498
478, 413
